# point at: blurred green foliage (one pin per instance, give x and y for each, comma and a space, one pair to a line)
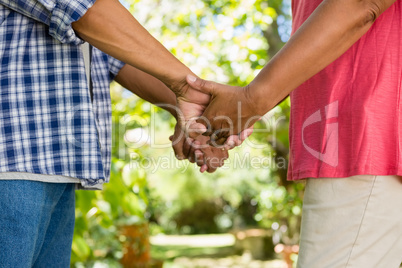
221, 40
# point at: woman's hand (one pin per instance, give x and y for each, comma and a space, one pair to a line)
231, 110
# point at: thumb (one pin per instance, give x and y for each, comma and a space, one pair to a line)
200, 84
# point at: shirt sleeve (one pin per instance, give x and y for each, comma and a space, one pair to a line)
114, 66
57, 14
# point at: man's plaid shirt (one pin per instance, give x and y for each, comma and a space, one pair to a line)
48, 123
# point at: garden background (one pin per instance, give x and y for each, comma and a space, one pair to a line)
159, 208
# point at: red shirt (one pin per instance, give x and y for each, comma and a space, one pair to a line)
347, 119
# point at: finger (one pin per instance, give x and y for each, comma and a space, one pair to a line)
226, 157
232, 141
203, 168
221, 133
221, 141
178, 151
187, 147
200, 84
207, 133
237, 140
218, 138
216, 161
194, 145
206, 123
177, 145
213, 143
213, 164
211, 170
195, 129
191, 159
246, 133
199, 158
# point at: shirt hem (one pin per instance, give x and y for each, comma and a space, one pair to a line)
304, 174
50, 178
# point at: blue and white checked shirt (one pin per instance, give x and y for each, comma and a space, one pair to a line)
48, 123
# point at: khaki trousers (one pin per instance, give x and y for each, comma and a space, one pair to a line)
353, 222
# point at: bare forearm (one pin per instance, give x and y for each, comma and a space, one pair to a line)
332, 29
108, 26
147, 87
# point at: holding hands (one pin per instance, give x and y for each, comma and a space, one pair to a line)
197, 150
186, 104
231, 111
224, 115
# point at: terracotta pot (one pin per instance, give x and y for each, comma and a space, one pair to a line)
136, 247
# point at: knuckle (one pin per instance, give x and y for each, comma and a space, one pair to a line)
203, 83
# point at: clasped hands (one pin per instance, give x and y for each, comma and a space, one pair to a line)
212, 119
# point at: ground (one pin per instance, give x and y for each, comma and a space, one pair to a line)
202, 251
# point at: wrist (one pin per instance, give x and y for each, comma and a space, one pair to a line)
179, 84
255, 100
170, 107
263, 97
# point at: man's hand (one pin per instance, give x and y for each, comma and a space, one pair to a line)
231, 110
207, 157
198, 150
191, 104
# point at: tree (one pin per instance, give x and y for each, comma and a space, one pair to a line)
224, 41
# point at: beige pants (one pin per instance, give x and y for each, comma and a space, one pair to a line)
352, 222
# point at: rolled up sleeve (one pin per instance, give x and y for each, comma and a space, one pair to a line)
57, 14
114, 66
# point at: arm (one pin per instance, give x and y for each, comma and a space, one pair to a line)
108, 26
332, 29
111, 28
147, 87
